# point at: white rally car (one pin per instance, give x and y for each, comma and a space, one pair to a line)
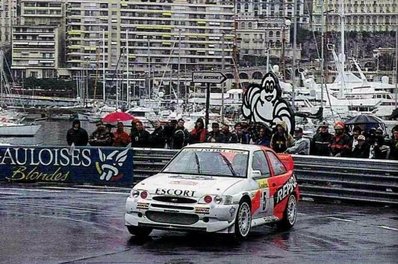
212, 187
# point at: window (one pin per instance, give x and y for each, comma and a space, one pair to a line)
260, 163
277, 165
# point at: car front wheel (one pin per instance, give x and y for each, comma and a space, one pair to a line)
140, 232
290, 214
243, 220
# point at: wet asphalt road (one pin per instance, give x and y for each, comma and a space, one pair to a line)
85, 225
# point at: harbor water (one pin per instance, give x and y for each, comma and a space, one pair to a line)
51, 133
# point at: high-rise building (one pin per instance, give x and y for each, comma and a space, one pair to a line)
37, 39
160, 40
364, 15
8, 18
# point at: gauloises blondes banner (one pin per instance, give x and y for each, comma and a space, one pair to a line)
107, 166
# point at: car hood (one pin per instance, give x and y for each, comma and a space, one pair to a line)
186, 185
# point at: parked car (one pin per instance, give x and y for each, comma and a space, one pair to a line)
213, 187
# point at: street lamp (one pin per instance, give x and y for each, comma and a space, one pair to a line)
286, 25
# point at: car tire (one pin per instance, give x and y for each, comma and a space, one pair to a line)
243, 220
290, 214
141, 232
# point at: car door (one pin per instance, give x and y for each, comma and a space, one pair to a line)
279, 183
261, 204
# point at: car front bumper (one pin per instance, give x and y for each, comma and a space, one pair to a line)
202, 217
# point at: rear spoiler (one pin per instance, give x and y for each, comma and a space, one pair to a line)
287, 160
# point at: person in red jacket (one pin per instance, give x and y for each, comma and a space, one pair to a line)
198, 134
120, 137
340, 145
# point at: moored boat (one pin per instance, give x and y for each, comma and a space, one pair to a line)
18, 130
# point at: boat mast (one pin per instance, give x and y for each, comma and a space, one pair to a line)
103, 65
1, 76
294, 54
127, 70
322, 50
179, 65
396, 67
342, 54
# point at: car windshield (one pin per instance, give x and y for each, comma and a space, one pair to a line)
210, 162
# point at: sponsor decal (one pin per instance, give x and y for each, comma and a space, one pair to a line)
262, 183
286, 189
256, 201
202, 210
60, 164
219, 150
176, 192
232, 211
108, 169
182, 182
264, 103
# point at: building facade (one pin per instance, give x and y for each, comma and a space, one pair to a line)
149, 43
359, 16
264, 27
37, 40
8, 18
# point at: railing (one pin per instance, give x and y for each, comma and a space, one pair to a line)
320, 178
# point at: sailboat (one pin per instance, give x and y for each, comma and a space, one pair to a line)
11, 123
350, 94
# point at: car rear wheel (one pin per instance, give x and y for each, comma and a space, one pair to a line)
290, 214
243, 220
140, 232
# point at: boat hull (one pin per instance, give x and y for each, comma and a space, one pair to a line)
19, 130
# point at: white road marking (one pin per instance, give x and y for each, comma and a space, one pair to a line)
61, 189
388, 228
32, 190
10, 193
340, 219
88, 190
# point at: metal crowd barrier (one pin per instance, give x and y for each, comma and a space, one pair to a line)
320, 178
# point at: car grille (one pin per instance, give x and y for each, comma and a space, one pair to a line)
167, 206
172, 218
174, 199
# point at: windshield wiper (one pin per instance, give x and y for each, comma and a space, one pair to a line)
197, 162
228, 164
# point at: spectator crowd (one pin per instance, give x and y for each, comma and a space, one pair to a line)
342, 143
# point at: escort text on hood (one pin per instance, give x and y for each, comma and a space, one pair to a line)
187, 185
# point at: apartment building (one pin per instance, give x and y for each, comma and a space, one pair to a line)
37, 39
8, 18
156, 39
264, 26
361, 15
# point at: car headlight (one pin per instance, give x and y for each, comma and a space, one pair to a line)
218, 199
138, 193
134, 193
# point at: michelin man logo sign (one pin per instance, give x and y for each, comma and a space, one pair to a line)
264, 103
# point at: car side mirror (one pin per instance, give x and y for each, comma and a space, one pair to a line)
256, 174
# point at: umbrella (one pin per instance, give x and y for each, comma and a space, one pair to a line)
117, 117
364, 120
